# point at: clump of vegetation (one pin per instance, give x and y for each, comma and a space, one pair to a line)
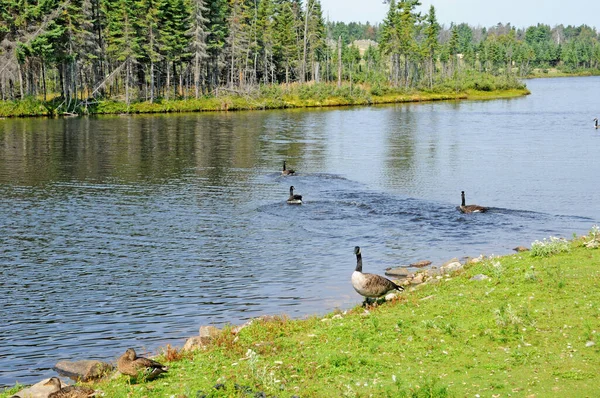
550, 246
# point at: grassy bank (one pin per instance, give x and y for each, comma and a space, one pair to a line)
529, 330
554, 72
266, 97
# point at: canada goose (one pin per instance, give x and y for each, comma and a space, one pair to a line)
294, 199
370, 285
596, 123
470, 208
287, 172
68, 391
132, 365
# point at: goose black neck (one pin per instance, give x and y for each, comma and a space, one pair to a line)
284, 165
462, 195
291, 191
359, 262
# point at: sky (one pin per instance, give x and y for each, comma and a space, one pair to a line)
484, 13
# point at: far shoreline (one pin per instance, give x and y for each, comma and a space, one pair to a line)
31, 107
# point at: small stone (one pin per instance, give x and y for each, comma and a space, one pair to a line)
521, 249
390, 296
420, 264
196, 343
590, 344
451, 267
397, 271
480, 277
475, 260
418, 279
209, 331
454, 260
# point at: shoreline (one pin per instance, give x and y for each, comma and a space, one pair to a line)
36, 108
518, 303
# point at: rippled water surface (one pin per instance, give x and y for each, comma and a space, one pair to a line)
121, 232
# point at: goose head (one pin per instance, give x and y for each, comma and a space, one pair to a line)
356, 250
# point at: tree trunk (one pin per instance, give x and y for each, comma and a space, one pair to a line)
339, 61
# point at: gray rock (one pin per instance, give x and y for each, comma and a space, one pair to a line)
448, 268
38, 390
454, 260
197, 343
209, 331
521, 249
590, 344
480, 277
85, 370
397, 271
418, 279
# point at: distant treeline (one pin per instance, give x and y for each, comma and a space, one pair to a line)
135, 50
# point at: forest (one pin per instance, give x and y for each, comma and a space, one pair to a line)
79, 51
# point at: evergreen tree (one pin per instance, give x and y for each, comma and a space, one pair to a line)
286, 39
215, 39
432, 30
198, 45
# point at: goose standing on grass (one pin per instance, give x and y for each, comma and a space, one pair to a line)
370, 285
287, 172
68, 391
294, 199
596, 123
132, 365
470, 208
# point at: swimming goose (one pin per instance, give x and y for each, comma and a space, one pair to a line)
370, 285
287, 172
132, 365
294, 199
68, 391
470, 208
596, 123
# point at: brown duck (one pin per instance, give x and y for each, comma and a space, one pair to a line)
464, 208
132, 365
68, 391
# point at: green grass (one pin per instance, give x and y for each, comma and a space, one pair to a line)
523, 332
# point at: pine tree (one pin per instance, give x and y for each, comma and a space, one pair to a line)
286, 38
150, 46
215, 40
432, 30
198, 43
173, 24
314, 38
266, 38
237, 41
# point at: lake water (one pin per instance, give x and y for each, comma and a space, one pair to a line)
133, 231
